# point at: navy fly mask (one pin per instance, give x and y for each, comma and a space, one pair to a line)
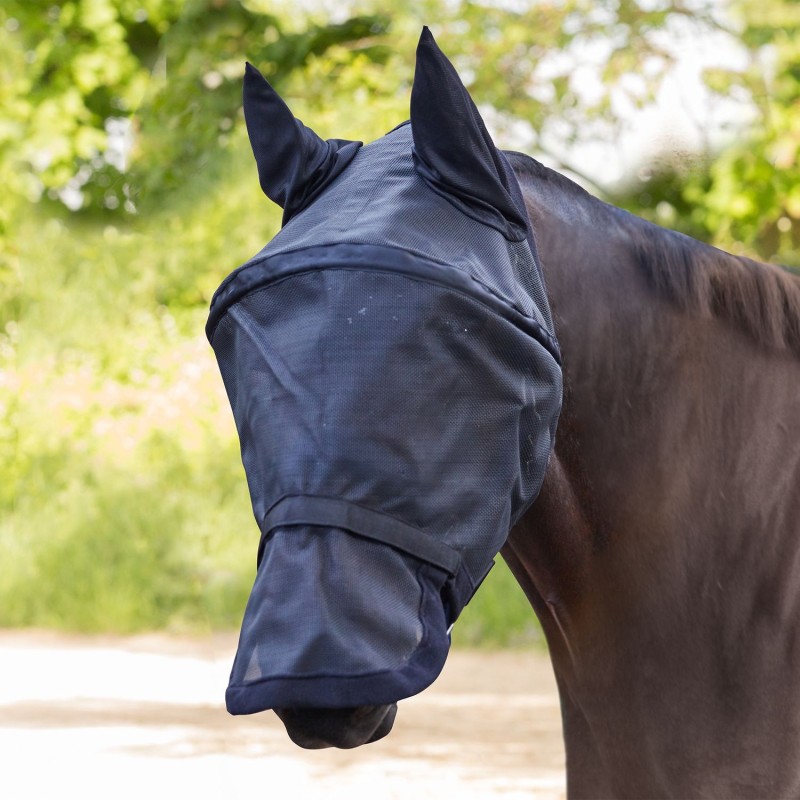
391, 365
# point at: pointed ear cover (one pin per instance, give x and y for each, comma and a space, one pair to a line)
294, 164
453, 151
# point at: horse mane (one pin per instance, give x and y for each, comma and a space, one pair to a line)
760, 299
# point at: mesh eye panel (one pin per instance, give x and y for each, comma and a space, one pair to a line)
397, 395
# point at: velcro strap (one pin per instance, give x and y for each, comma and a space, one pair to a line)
330, 512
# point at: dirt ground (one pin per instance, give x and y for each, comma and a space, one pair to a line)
144, 718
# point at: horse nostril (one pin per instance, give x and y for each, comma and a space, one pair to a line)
385, 725
345, 728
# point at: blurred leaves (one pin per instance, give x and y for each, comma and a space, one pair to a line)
754, 193
130, 192
107, 98
196, 103
746, 198
115, 104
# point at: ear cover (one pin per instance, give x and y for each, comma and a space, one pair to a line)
453, 151
294, 164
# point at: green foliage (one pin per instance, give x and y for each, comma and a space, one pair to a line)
499, 615
123, 546
82, 70
130, 193
533, 64
193, 111
745, 199
76, 65
122, 497
754, 195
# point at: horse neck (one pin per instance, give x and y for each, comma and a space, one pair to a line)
599, 304
666, 532
665, 458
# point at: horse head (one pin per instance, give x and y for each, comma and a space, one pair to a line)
392, 369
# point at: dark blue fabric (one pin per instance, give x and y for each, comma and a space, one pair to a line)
453, 150
395, 381
294, 164
331, 685
305, 511
267, 268
385, 202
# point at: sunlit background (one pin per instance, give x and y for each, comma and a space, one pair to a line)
129, 192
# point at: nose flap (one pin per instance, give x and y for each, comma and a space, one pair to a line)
337, 620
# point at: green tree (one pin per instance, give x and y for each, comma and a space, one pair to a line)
744, 198
86, 77
753, 195
130, 192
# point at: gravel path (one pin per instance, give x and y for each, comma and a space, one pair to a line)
144, 718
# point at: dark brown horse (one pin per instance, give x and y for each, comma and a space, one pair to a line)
663, 554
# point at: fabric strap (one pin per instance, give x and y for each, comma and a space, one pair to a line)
328, 512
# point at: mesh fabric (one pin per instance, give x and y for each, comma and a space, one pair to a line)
394, 378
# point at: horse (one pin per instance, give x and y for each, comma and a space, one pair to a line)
662, 554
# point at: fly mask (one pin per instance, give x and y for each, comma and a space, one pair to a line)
395, 381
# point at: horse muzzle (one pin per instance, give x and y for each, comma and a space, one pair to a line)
345, 728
